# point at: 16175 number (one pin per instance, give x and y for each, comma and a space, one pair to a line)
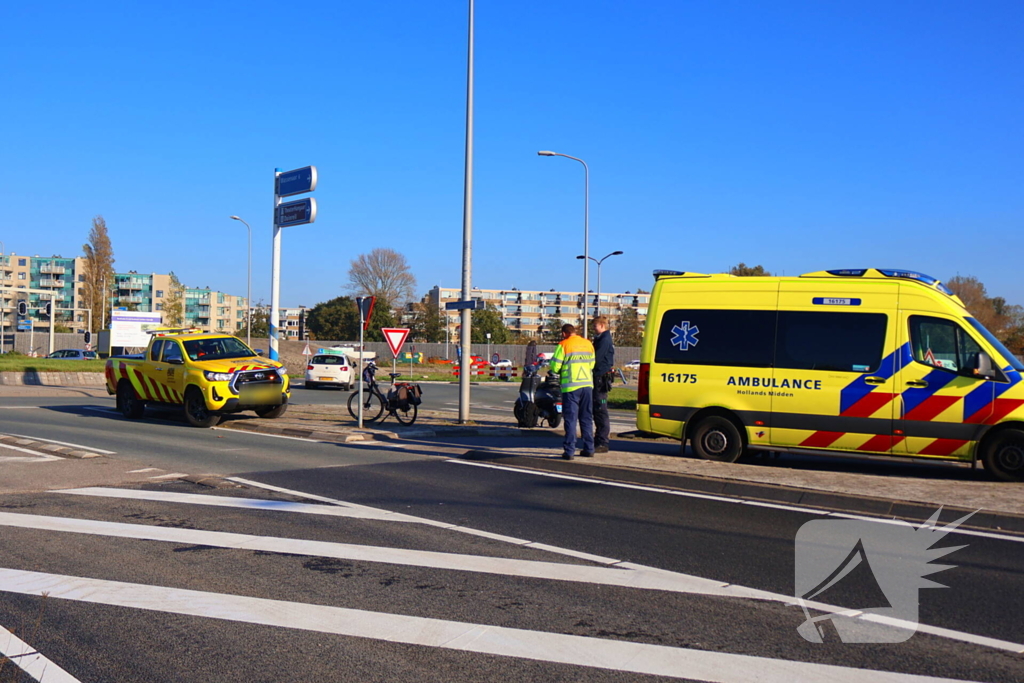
680, 377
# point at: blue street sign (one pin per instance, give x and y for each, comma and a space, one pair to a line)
24, 325
299, 181
296, 213
473, 305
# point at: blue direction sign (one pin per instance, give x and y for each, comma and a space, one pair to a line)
299, 181
296, 213
473, 305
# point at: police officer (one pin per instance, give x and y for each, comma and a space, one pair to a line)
573, 361
604, 352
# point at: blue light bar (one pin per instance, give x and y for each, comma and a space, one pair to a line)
848, 272
919, 277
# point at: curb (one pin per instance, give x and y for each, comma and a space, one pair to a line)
760, 492
369, 434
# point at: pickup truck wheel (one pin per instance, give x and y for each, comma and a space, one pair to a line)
196, 412
128, 403
272, 412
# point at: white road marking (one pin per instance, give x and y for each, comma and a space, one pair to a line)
722, 499
172, 475
26, 658
691, 582
701, 665
21, 407
65, 443
273, 436
625, 576
145, 469
35, 455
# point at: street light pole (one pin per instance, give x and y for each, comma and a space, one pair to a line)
248, 293
599, 262
586, 227
465, 336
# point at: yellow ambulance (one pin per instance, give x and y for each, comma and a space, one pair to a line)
869, 361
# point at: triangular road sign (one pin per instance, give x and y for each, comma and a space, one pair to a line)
395, 337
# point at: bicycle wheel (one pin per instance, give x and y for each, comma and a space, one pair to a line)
373, 405
406, 417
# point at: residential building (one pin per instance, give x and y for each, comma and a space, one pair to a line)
214, 311
528, 312
140, 292
292, 323
55, 274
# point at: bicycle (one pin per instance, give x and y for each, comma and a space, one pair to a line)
375, 402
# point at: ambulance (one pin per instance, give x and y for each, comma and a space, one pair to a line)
869, 361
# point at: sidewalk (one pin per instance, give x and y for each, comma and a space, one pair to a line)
884, 487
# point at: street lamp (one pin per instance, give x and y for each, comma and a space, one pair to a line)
586, 225
598, 262
248, 293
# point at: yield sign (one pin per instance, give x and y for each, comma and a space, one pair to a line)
395, 337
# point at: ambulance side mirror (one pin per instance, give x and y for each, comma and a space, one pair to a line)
985, 369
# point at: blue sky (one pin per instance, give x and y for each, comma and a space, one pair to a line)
797, 135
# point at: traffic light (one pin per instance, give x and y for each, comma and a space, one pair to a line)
48, 309
88, 337
22, 308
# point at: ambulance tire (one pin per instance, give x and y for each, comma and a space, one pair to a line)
128, 402
717, 438
196, 412
1003, 456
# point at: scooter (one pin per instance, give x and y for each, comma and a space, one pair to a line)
540, 398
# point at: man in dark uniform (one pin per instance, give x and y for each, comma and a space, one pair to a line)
604, 361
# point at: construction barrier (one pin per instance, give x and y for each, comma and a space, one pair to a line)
505, 372
476, 370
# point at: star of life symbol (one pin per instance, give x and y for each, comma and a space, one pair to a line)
882, 562
684, 336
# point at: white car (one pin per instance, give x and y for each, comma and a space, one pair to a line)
632, 365
503, 363
329, 370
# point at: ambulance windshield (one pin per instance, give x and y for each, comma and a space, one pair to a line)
1005, 352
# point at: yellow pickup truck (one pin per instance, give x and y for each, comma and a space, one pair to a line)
209, 375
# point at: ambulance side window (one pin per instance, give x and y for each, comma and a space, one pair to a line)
843, 342
942, 344
154, 353
716, 337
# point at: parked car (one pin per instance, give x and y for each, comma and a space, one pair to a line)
329, 370
632, 365
74, 354
503, 363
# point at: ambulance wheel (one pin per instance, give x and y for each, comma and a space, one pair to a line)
128, 403
1004, 455
272, 412
196, 412
717, 438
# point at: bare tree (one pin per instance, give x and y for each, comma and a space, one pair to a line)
383, 273
99, 265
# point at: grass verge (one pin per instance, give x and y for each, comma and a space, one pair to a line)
25, 364
621, 398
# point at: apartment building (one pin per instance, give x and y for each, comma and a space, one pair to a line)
528, 312
292, 323
140, 291
214, 311
55, 274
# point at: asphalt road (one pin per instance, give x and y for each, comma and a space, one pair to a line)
399, 565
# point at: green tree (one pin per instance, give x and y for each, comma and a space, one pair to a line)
489, 320
99, 271
174, 302
260, 323
427, 323
743, 270
338, 320
628, 331
1005, 321
552, 331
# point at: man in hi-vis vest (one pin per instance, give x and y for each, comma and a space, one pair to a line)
573, 360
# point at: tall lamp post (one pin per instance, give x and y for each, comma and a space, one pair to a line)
586, 226
598, 262
248, 293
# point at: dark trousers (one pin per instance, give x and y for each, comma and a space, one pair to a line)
578, 406
602, 426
